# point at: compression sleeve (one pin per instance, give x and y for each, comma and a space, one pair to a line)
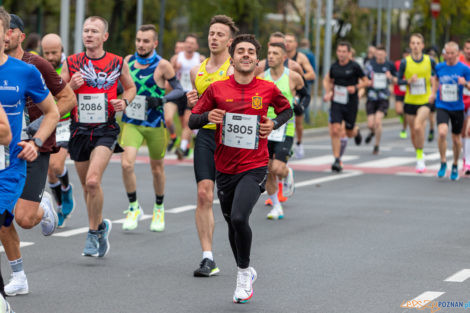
177, 91
282, 118
304, 97
401, 73
198, 120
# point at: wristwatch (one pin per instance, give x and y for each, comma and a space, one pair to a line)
38, 142
126, 101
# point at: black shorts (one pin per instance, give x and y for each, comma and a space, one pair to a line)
36, 175
456, 119
281, 151
399, 98
298, 110
6, 218
226, 183
204, 150
343, 112
83, 141
182, 104
412, 109
372, 106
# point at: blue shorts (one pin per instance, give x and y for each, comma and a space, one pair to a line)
12, 182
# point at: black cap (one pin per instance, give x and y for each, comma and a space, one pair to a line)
16, 22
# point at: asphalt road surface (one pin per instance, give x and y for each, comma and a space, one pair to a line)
366, 240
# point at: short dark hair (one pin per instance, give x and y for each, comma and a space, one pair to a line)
99, 18
292, 35
244, 38
279, 45
5, 19
466, 41
149, 27
226, 20
190, 36
345, 43
380, 47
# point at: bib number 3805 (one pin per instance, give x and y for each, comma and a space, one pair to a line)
241, 131
92, 108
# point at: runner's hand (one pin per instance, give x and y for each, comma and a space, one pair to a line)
265, 127
118, 104
29, 152
462, 81
216, 116
351, 89
389, 75
192, 98
76, 81
413, 79
328, 96
432, 98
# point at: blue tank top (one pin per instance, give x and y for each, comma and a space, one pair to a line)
146, 86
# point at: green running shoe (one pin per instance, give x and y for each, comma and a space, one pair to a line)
134, 215
158, 219
403, 134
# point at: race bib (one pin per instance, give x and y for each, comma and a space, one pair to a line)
379, 81
466, 92
241, 131
340, 94
137, 109
185, 81
92, 108
62, 132
402, 88
4, 157
278, 135
449, 92
418, 87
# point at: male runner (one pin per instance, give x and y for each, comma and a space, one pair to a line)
381, 73
184, 62
451, 78
238, 105
308, 75
143, 120
58, 175
465, 59
280, 142
400, 92
93, 75
415, 72
342, 82
35, 205
222, 29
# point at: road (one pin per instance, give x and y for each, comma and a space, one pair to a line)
366, 240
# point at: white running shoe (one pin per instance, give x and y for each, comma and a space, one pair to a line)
245, 280
420, 166
299, 151
288, 184
276, 213
50, 219
18, 285
5, 306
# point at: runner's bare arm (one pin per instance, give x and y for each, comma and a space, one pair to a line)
65, 72
306, 66
5, 132
434, 87
127, 83
192, 95
66, 100
294, 66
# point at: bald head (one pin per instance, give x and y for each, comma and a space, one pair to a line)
51, 45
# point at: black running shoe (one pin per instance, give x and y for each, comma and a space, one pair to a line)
207, 268
431, 135
181, 154
369, 137
376, 150
336, 166
358, 138
171, 144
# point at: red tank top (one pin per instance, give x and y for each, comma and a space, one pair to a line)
100, 76
396, 88
466, 96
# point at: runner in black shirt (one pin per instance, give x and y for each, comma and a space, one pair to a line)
341, 84
381, 73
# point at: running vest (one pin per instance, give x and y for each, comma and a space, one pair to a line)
283, 84
204, 79
186, 65
423, 70
67, 115
146, 86
100, 76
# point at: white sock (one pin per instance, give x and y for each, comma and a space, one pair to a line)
184, 144
274, 199
207, 255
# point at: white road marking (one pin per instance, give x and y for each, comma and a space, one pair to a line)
144, 217
387, 162
423, 299
327, 179
22, 245
71, 232
180, 209
324, 159
459, 277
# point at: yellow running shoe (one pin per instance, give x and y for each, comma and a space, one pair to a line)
158, 219
134, 214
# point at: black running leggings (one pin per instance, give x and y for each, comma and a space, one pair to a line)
238, 194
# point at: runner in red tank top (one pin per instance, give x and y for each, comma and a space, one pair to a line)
465, 59
93, 75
